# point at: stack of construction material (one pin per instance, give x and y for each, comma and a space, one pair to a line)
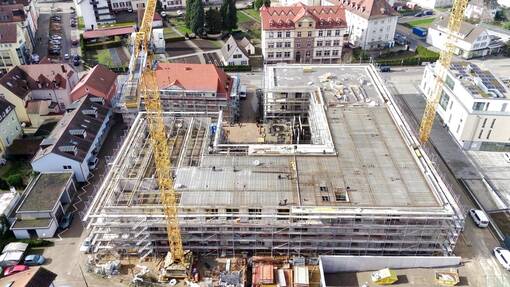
301, 277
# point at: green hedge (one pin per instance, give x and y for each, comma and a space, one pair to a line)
117, 42
175, 39
422, 55
239, 68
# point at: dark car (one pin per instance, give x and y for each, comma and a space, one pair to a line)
384, 68
419, 14
76, 60
75, 42
66, 221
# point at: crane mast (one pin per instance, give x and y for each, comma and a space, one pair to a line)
442, 65
149, 91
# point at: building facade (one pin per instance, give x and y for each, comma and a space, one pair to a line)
75, 141
197, 88
303, 34
432, 4
10, 127
473, 41
45, 202
237, 53
13, 48
474, 105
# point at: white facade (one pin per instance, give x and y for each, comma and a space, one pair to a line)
94, 12
476, 122
504, 3
173, 4
371, 33
47, 232
481, 11
237, 58
10, 128
431, 4
467, 47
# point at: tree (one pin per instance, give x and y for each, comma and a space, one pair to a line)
195, 16
15, 180
259, 3
228, 13
213, 21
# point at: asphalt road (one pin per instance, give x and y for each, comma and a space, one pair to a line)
475, 244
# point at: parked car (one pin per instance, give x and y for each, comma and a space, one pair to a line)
55, 42
66, 221
86, 245
76, 61
34, 259
66, 57
56, 18
479, 217
55, 52
93, 163
56, 37
419, 14
14, 269
503, 256
73, 24
384, 68
428, 12
75, 42
130, 10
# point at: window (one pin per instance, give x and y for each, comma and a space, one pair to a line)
321, 33
270, 45
337, 32
279, 44
328, 33
319, 43
286, 54
309, 43
325, 198
335, 52
327, 53
308, 53
478, 106
279, 35
323, 188
298, 45
327, 43
318, 53
67, 167
489, 134
443, 101
271, 34
278, 54
237, 56
299, 34
493, 122
341, 196
309, 33
287, 34
255, 211
270, 55
336, 43
449, 82
480, 134
287, 44
484, 122
503, 107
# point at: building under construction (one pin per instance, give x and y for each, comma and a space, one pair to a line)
334, 169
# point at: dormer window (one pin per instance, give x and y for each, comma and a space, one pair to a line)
69, 148
78, 132
90, 112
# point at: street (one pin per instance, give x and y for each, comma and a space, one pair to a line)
475, 244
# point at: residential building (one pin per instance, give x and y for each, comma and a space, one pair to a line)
99, 81
13, 48
472, 41
237, 53
197, 88
10, 127
36, 276
474, 105
173, 4
45, 201
481, 10
94, 12
40, 91
77, 138
15, 13
432, 4
371, 23
303, 34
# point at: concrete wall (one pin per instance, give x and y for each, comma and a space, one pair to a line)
10, 129
347, 263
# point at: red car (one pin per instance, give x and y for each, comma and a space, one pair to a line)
14, 269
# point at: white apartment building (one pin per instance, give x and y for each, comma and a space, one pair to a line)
474, 106
302, 34
473, 41
94, 12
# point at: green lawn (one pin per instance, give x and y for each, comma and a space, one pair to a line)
169, 33
252, 12
119, 24
243, 18
424, 23
180, 25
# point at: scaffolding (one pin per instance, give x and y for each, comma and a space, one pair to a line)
363, 196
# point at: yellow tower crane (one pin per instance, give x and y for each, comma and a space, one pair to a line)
149, 92
442, 66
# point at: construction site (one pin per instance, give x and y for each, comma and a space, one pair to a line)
333, 170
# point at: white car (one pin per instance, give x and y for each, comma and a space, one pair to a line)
479, 217
503, 256
66, 56
86, 245
179, 13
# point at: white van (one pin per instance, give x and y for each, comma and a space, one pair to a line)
479, 217
242, 92
503, 256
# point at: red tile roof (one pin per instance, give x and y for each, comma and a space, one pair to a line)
368, 9
99, 81
194, 77
276, 18
101, 33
